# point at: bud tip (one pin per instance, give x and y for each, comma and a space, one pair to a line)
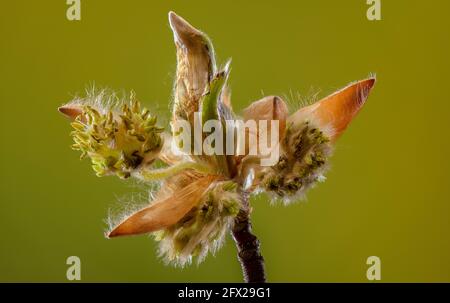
69, 111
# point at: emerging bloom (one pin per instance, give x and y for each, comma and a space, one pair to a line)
118, 140
308, 141
200, 196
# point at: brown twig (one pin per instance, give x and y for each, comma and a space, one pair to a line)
247, 244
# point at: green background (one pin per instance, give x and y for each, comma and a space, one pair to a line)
387, 193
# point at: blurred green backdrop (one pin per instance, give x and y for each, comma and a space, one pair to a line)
387, 193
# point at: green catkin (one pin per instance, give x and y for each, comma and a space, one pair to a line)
118, 142
304, 153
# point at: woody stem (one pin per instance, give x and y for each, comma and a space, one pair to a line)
247, 244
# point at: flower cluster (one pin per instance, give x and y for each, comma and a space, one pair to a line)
203, 228
305, 152
200, 196
117, 141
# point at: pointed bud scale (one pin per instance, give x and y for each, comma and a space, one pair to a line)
195, 68
165, 212
335, 112
268, 108
70, 111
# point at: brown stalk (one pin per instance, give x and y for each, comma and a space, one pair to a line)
247, 244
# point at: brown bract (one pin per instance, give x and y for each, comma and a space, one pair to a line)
338, 109
165, 212
195, 68
70, 111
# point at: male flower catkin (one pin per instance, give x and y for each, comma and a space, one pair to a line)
201, 197
308, 141
118, 138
